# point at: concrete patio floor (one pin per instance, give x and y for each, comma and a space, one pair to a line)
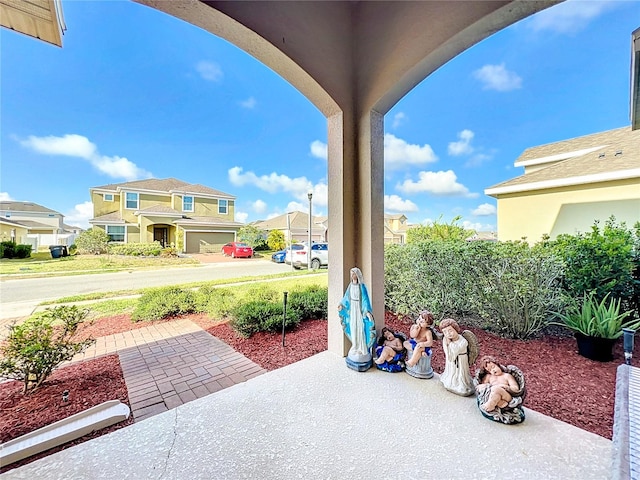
318, 419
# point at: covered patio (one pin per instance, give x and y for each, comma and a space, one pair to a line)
319, 419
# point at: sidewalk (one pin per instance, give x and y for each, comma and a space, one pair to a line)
168, 364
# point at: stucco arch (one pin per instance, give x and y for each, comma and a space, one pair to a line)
353, 60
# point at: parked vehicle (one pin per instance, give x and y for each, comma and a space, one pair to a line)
278, 257
293, 248
237, 250
319, 256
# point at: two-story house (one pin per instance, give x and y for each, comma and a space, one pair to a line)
33, 224
568, 185
193, 217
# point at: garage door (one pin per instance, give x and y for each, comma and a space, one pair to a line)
207, 242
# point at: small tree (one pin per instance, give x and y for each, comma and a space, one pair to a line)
39, 345
275, 240
93, 241
250, 235
439, 231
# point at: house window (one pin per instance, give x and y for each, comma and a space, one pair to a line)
222, 207
187, 204
116, 233
8, 215
131, 201
108, 197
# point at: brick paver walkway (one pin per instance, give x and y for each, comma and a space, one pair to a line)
168, 364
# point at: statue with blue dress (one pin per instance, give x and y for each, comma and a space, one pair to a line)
356, 316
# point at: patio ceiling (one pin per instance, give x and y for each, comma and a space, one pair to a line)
37, 18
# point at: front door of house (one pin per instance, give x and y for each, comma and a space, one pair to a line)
160, 234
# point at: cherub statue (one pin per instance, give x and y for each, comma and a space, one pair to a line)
390, 351
460, 351
500, 391
418, 347
356, 315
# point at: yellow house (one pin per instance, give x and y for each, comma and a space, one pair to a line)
194, 218
395, 228
569, 185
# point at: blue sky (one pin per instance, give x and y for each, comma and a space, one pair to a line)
135, 93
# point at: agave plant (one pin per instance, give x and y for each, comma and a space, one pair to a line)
596, 318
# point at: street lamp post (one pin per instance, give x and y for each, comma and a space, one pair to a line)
309, 196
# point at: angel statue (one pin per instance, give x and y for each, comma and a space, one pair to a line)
460, 351
356, 315
500, 391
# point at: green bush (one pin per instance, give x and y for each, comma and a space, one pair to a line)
22, 251
216, 302
93, 241
309, 303
136, 249
515, 286
275, 240
263, 292
259, 316
73, 249
9, 249
430, 275
602, 261
169, 252
40, 344
163, 303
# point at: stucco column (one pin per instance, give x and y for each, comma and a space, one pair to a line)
356, 213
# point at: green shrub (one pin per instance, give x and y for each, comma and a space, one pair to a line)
39, 345
309, 303
600, 261
263, 292
258, 316
163, 303
22, 251
7, 248
515, 286
275, 240
430, 275
73, 249
216, 302
93, 241
136, 249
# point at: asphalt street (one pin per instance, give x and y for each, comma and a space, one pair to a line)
20, 297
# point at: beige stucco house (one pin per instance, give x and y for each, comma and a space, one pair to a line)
295, 226
568, 185
193, 217
395, 228
32, 224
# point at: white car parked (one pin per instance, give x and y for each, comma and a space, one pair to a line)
319, 255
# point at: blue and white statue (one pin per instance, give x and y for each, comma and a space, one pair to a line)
356, 315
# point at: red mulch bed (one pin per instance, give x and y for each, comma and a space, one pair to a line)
560, 383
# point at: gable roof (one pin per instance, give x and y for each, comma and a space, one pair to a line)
606, 156
164, 185
25, 207
296, 220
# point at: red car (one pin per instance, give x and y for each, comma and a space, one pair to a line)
237, 249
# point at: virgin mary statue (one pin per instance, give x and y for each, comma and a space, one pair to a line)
356, 315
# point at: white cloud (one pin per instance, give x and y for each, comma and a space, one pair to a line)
398, 119
273, 183
398, 153
73, 145
241, 216
436, 183
484, 210
249, 103
570, 16
478, 227
259, 206
319, 149
5, 197
80, 215
210, 71
393, 203
478, 159
297, 207
497, 77
463, 145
